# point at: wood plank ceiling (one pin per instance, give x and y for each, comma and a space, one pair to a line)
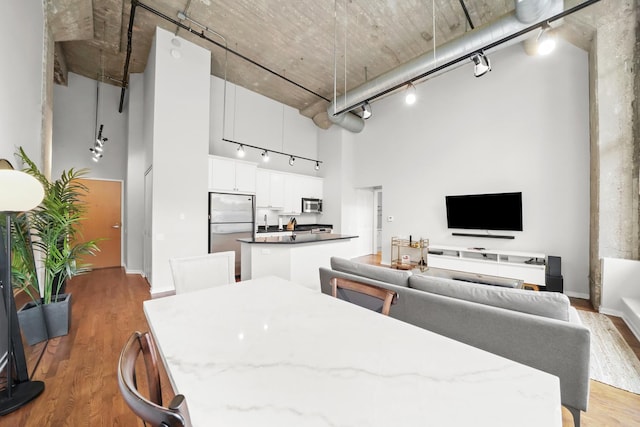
296, 39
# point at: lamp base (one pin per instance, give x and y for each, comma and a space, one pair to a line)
21, 394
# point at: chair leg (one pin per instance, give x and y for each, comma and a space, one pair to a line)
576, 415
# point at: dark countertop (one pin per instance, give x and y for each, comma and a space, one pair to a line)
299, 227
296, 239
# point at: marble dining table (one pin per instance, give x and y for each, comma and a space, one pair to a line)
269, 352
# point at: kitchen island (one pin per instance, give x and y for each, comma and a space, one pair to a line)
297, 257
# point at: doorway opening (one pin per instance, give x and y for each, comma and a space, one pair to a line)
377, 221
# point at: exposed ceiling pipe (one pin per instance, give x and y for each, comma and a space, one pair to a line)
526, 12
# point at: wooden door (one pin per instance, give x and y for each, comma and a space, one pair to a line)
103, 221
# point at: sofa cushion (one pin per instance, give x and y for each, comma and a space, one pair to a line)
382, 274
548, 304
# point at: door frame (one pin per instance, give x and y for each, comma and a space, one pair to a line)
376, 192
122, 222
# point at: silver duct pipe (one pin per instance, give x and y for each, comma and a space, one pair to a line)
526, 12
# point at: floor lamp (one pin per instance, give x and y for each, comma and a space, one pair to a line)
19, 192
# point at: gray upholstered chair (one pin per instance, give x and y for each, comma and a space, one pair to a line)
203, 271
363, 294
150, 408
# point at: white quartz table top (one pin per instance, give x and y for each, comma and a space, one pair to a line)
268, 352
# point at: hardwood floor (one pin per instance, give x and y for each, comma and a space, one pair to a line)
79, 370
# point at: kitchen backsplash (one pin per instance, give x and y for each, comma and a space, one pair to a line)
272, 218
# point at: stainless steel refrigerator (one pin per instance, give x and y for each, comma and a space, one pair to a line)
231, 217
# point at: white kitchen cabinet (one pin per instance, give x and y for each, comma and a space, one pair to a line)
293, 191
270, 189
312, 187
298, 186
284, 191
232, 176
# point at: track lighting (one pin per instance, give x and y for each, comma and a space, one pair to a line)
546, 41
242, 149
410, 97
366, 110
482, 64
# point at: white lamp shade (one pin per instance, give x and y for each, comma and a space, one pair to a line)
19, 191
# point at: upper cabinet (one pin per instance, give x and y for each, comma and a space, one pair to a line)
270, 189
284, 191
312, 187
257, 120
298, 187
232, 176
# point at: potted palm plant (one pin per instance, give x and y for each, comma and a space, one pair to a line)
54, 234
24, 279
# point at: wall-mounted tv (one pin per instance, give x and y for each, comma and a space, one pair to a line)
497, 211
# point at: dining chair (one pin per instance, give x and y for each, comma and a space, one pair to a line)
352, 291
150, 408
203, 271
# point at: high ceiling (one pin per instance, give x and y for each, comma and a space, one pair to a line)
298, 40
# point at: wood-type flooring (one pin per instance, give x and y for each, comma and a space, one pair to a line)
79, 370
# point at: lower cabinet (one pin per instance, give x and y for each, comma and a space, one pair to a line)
526, 266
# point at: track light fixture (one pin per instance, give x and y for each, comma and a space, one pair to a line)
482, 64
98, 146
366, 110
410, 97
242, 148
546, 41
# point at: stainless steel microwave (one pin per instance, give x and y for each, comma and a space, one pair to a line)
311, 205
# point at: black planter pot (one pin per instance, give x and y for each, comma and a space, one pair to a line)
57, 316
32, 323
43, 321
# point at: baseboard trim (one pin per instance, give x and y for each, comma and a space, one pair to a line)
577, 295
139, 272
161, 294
631, 315
610, 312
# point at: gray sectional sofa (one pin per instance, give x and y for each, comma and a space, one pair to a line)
538, 329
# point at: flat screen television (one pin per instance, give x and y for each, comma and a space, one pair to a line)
497, 211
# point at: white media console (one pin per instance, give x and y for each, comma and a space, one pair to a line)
527, 266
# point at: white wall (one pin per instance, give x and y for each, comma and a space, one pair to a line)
344, 206
522, 127
619, 280
74, 128
134, 184
180, 138
21, 80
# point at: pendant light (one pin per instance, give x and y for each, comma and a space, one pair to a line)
410, 97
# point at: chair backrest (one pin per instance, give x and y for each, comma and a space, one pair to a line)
345, 289
203, 271
150, 409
